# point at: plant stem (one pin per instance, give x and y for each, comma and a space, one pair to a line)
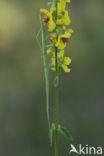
56, 123
56, 93
56, 106
56, 97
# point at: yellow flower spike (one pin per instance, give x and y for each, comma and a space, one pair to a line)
60, 42
63, 39
48, 19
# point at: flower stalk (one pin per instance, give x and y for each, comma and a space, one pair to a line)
56, 90
56, 123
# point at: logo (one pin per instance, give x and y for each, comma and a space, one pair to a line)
86, 150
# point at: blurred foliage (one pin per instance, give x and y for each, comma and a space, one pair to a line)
23, 120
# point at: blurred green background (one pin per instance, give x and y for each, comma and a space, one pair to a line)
23, 122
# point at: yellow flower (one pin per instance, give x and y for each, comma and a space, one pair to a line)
60, 21
64, 61
64, 28
62, 4
48, 19
63, 39
49, 52
53, 37
63, 17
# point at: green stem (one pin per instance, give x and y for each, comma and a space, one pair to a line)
47, 102
56, 95
56, 123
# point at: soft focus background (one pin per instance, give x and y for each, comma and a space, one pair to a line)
23, 122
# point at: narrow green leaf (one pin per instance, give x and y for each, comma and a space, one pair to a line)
65, 132
53, 126
51, 131
45, 61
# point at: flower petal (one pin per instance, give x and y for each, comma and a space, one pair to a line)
69, 31
61, 54
65, 68
49, 52
53, 68
44, 11
60, 43
66, 18
51, 25
67, 60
